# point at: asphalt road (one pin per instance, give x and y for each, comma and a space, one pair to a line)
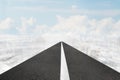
83, 67
44, 66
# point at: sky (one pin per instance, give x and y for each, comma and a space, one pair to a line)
17, 13
40, 12
30, 26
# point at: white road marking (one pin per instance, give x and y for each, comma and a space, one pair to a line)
64, 74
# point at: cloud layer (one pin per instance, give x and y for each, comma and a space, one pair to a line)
96, 37
6, 23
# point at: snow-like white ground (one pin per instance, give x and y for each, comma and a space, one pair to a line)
15, 50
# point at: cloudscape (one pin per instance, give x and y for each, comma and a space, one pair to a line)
28, 27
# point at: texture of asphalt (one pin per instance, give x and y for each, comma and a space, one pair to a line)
44, 66
83, 67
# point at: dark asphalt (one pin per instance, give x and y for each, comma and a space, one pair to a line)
44, 66
83, 67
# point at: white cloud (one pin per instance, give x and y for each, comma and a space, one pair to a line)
72, 24
3, 67
25, 25
80, 31
6, 23
40, 29
83, 26
100, 27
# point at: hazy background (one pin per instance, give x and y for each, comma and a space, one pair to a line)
28, 27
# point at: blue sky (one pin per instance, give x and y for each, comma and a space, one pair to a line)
45, 12
18, 8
